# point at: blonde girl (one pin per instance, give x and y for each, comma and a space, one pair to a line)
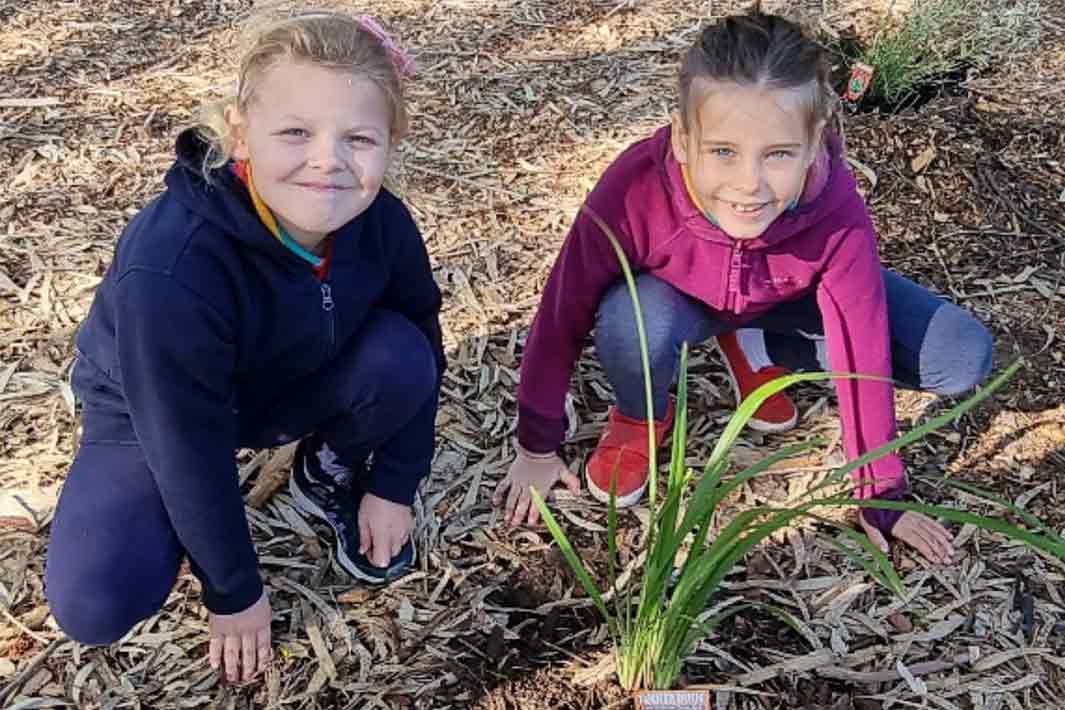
274, 292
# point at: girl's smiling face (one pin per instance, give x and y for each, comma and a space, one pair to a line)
747, 152
319, 143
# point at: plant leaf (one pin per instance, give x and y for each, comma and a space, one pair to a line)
1027, 517
1053, 545
923, 430
571, 556
645, 361
880, 567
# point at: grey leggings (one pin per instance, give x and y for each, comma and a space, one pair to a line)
935, 345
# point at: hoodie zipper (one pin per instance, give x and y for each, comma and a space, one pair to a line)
328, 305
735, 271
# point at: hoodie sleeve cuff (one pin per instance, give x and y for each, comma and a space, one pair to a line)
392, 485
883, 519
538, 434
244, 593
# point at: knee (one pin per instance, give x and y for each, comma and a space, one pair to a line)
617, 336
96, 601
92, 618
962, 348
400, 357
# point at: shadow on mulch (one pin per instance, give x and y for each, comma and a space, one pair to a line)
157, 36
533, 671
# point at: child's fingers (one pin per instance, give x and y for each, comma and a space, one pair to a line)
943, 533
381, 548
939, 538
378, 546
936, 536
265, 651
942, 528
521, 508
929, 537
513, 496
572, 481
918, 536
927, 548
231, 654
365, 535
877, 538
501, 489
533, 518
214, 651
247, 661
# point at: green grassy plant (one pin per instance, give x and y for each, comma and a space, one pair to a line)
940, 36
654, 629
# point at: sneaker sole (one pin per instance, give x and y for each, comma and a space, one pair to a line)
309, 506
625, 501
759, 425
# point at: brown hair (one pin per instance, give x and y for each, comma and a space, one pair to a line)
327, 39
759, 49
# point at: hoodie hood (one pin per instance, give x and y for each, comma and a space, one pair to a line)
839, 192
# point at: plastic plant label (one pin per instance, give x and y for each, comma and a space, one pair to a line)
673, 700
859, 82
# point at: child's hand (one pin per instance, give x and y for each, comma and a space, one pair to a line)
384, 527
241, 640
919, 532
541, 471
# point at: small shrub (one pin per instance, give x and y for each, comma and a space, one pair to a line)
937, 37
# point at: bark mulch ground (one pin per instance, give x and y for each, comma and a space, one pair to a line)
518, 108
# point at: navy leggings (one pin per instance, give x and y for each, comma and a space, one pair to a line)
113, 556
935, 345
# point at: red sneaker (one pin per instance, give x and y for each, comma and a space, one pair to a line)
622, 449
778, 413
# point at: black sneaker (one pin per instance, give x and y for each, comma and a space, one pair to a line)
325, 488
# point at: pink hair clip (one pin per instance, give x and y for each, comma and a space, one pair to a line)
400, 58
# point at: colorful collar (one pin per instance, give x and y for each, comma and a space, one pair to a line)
694, 197
242, 169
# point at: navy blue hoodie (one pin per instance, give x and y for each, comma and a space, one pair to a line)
203, 312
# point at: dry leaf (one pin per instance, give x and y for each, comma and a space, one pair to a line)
922, 160
900, 622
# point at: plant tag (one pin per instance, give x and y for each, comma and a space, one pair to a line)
673, 700
858, 84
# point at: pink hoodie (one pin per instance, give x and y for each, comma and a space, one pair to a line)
826, 245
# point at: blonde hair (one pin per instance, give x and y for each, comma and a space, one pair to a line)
327, 39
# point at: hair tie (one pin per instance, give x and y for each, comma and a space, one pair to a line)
403, 62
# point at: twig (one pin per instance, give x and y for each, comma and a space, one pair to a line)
917, 669
465, 181
273, 476
28, 671
446, 614
995, 292
989, 178
989, 233
618, 703
1050, 301
25, 629
730, 689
